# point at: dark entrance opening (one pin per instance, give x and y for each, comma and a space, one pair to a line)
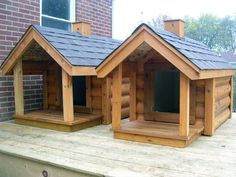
166, 92
79, 90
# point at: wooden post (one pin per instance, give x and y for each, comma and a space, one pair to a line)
149, 91
184, 105
232, 96
45, 90
18, 88
67, 89
58, 81
88, 91
106, 100
192, 101
116, 97
132, 109
209, 107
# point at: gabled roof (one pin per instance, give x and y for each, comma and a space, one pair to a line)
194, 58
197, 52
77, 49
81, 54
75, 53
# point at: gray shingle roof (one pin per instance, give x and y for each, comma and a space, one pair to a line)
229, 56
198, 53
92, 50
77, 49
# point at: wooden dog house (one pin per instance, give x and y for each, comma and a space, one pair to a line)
73, 97
172, 88
179, 88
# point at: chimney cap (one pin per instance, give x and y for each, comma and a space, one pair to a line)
174, 20
83, 27
81, 22
175, 26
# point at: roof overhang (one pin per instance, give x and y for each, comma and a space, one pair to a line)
144, 34
24, 43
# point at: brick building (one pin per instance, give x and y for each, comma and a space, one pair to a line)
17, 15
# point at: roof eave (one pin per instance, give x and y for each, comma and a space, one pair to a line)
207, 74
83, 71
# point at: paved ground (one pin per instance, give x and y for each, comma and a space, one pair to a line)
95, 151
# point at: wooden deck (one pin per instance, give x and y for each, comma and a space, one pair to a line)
54, 120
95, 152
157, 133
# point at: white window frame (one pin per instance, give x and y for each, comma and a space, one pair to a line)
72, 13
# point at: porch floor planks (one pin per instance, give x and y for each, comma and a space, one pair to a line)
159, 129
58, 115
52, 119
95, 151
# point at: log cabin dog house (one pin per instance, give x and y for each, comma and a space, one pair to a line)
73, 97
179, 88
172, 88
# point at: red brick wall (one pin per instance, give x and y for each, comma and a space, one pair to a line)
98, 13
15, 17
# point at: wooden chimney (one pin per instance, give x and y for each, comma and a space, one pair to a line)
175, 26
83, 27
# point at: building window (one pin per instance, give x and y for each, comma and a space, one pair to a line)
57, 13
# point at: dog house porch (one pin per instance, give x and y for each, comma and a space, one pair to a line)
53, 119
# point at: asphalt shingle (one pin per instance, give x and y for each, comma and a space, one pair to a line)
79, 50
92, 50
198, 53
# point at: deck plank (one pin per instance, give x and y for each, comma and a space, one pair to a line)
97, 152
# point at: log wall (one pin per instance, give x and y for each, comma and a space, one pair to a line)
101, 102
96, 94
53, 86
125, 90
222, 100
